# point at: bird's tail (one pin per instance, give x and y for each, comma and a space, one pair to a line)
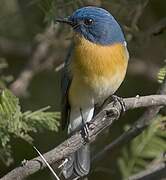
78, 164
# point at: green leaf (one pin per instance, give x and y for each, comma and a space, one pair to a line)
161, 74
19, 124
143, 149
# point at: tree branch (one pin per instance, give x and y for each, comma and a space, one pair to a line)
157, 171
158, 28
102, 120
136, 129
41, 59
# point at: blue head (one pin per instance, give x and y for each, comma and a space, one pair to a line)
96, 25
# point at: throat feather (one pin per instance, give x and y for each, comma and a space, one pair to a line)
93, 61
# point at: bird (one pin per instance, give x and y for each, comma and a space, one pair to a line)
94, 69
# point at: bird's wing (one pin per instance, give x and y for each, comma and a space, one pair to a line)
65, 84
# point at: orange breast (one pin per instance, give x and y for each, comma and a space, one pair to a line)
99, 68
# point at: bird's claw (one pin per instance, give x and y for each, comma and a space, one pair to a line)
85, 131
115, 99
85, 128
120, 101
24, 162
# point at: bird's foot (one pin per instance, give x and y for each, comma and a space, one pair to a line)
115, 99
121, 102
86, 127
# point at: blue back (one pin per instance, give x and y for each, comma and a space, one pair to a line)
104, 30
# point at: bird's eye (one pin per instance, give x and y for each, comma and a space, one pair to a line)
88, 21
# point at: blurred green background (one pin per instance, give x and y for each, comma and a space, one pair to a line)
34, 49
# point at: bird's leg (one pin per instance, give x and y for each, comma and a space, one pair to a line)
85, 128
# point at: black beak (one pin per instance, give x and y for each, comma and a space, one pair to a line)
65, 20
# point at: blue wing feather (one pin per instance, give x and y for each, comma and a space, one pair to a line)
65, 84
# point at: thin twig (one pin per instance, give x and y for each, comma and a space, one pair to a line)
158, 28
138, 13
50, 168
155, 172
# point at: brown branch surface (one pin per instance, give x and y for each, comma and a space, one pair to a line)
102, 120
